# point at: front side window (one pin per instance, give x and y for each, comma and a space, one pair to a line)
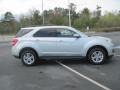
65, 33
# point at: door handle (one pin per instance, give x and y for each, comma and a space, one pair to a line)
36, 39
60, 40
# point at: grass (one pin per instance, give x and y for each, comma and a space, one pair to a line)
111, 29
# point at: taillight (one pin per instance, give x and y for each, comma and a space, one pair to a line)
14, 41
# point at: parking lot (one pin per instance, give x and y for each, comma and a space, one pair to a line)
66, 75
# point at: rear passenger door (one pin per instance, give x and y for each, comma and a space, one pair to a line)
46, 39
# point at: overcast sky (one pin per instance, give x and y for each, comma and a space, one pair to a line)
23, 6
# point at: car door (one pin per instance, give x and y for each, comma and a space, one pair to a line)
46, 39
68, 44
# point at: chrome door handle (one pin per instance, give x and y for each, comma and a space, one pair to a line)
60, 40
36, 39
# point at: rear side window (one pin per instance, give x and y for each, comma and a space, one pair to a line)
46, 33
23, 32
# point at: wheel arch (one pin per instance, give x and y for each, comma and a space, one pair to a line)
100, 46
26, 48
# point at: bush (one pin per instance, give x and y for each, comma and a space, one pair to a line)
111, 29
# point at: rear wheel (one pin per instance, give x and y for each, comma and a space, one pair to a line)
97, 55
29, 57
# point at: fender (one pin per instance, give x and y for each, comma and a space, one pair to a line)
27, 44
93, 43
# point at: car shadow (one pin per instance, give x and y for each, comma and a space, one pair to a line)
67, 62
71, 62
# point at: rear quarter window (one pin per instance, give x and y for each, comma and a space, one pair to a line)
23, 32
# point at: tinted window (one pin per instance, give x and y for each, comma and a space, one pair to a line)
46, 33
22, 32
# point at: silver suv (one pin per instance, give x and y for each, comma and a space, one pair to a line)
59, 42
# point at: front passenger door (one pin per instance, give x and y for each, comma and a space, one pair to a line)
68, 44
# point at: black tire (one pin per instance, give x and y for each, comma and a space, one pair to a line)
31, 61
98, 59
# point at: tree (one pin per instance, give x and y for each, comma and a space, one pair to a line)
25, 21
72, 7
58, 17
109, 20
84, 20
33, 19
36, 18
86, 12
74, 15
98, 12
8, 17
9, 23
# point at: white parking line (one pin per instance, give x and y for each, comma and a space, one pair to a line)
117, 55
117, 47
85, 77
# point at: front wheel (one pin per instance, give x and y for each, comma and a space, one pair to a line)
28, 57
97, 56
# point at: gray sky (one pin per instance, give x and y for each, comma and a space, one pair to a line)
23, 6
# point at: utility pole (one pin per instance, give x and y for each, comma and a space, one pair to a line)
69, 13
43, 12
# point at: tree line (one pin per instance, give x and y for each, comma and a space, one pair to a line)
59, 16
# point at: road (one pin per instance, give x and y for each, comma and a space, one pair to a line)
53, 76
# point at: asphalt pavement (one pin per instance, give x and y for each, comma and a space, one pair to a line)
69, 75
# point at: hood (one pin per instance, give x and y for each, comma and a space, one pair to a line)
101, 38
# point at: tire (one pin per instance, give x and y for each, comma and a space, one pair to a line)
29, 57
97, 56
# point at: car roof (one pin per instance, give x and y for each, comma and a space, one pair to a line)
40, 27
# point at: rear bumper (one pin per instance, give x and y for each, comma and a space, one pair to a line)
14, 51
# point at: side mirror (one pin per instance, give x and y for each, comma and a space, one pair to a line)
76, 35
